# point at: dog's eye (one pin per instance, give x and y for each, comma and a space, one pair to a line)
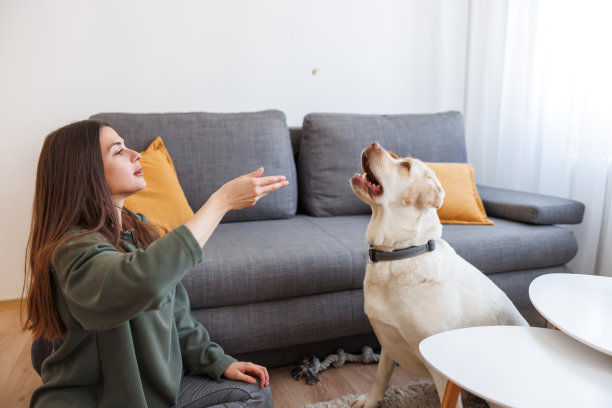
406, 164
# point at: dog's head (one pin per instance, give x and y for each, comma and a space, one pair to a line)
392, 181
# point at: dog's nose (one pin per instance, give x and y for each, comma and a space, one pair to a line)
375, 145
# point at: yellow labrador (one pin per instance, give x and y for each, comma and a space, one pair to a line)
435, 290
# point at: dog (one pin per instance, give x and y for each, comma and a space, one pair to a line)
410, 299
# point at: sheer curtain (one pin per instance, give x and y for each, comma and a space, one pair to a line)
538, 108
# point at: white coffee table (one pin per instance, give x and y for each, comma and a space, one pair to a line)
520, 367
579, 305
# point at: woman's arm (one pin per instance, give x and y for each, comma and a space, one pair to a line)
103, 287
200, 355
239, 193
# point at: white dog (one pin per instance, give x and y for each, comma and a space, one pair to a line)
410, 299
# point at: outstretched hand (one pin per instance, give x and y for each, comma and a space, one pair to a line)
237, 371
241, 192
246, 190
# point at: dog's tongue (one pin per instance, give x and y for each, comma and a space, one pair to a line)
374, 189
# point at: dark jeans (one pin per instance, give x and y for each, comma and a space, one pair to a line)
197, 391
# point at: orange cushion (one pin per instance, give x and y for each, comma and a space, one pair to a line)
462, 204
163, 201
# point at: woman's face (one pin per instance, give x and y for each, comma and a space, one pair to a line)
122, 169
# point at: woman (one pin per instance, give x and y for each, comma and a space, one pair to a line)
107, 290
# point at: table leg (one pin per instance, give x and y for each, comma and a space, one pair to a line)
451, 395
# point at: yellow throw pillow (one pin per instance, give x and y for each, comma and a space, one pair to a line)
163, 201
462, 204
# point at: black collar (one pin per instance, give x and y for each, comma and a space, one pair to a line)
376, 255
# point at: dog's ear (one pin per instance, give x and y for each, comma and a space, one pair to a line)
426, 192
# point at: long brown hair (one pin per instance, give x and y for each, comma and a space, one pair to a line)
70, 192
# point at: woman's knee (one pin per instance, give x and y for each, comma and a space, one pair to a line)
247, 396
266, 399
202, 391
259, 397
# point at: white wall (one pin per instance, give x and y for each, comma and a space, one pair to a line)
64, 60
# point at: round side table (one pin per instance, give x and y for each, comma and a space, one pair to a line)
521, 367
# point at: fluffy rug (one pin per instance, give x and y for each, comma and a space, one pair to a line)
419, 394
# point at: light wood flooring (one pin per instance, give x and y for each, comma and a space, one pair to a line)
18, 379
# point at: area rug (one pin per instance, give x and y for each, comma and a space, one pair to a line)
419, 394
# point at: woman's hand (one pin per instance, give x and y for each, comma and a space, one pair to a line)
239, 193
246, 190
237, 370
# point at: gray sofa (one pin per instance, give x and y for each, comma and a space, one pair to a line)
284, 279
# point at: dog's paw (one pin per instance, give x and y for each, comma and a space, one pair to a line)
360, 401
364, 402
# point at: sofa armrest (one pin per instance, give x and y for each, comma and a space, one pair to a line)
529, 207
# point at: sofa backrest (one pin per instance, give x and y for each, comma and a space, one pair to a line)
210, 149
330, 146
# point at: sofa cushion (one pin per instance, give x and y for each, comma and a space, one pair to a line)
163, 200
210, 149
509, 245
246, 262
260, 261
461, 205
502, 247
331, 145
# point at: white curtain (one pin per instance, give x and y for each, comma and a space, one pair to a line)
538, 108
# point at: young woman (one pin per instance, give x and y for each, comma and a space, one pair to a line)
106, 289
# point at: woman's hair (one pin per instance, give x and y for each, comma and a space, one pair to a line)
71, 192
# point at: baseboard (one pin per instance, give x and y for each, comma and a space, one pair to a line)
10, 304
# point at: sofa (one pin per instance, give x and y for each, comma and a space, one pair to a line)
283, 279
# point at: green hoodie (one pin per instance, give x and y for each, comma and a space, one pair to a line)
129, 329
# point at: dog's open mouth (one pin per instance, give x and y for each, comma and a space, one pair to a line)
367, 180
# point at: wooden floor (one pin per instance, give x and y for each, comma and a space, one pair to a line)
18, 379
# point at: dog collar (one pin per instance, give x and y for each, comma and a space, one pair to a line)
376, 255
